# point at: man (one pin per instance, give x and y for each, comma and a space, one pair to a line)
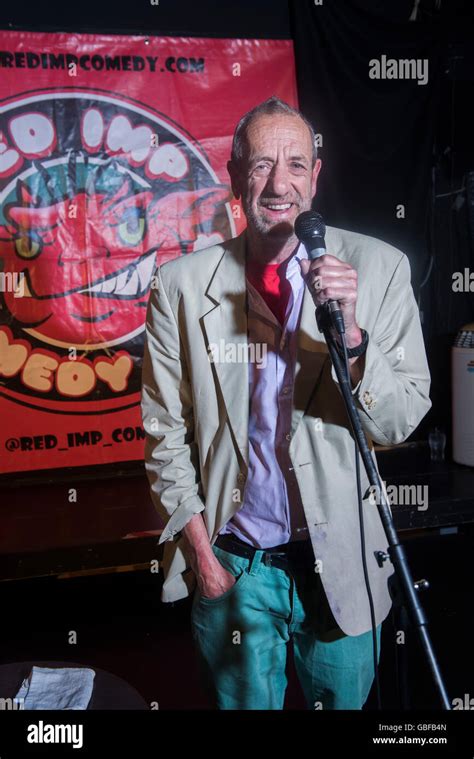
249, 451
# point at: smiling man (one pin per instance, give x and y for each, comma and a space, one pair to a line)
252, 464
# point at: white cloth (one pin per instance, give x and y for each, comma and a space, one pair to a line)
56, 688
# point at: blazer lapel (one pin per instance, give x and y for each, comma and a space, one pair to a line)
311, 357
225, 326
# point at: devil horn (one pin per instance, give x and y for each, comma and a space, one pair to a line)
47, 179
25, 198
71, 175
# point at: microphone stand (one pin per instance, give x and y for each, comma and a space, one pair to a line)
404, 586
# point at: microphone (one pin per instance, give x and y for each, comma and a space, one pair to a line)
310, 229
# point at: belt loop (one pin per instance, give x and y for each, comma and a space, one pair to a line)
255, 561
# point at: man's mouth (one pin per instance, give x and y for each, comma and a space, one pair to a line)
277, 210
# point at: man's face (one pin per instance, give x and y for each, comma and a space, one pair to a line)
276, 179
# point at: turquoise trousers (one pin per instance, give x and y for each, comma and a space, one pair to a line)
241, 640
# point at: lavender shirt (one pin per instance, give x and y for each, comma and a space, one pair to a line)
272, 512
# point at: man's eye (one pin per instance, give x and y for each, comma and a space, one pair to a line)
298, 165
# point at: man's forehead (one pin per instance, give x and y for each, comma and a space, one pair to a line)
275, 130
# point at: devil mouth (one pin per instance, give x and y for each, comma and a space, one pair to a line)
129, 283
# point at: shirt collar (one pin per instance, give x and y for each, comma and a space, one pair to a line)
299, 255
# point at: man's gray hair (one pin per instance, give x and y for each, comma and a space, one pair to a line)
267, 108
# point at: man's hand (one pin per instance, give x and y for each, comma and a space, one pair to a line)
328, 278
212, 579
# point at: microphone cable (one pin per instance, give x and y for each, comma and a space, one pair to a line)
362, 540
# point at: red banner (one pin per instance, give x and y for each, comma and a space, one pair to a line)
113, 155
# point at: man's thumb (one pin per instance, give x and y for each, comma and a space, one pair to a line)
304, 265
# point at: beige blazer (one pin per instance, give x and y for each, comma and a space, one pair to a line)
195, 411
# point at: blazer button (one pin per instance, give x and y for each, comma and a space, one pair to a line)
368, 400
240, 477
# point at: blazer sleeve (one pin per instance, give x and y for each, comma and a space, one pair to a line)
393, 395
171, 455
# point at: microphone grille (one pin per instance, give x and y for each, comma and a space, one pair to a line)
309, 225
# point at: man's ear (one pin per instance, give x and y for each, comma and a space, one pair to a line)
314, 177
234, 179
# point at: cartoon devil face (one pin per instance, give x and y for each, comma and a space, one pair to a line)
86, 260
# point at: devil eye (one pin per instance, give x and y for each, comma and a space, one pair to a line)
132, 229
27, 247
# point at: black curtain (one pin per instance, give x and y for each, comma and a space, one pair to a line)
378, 134
266, 19
389, 142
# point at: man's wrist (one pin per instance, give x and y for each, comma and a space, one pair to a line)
354, 337
356, 342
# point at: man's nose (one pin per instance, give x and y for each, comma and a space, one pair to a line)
278, 180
